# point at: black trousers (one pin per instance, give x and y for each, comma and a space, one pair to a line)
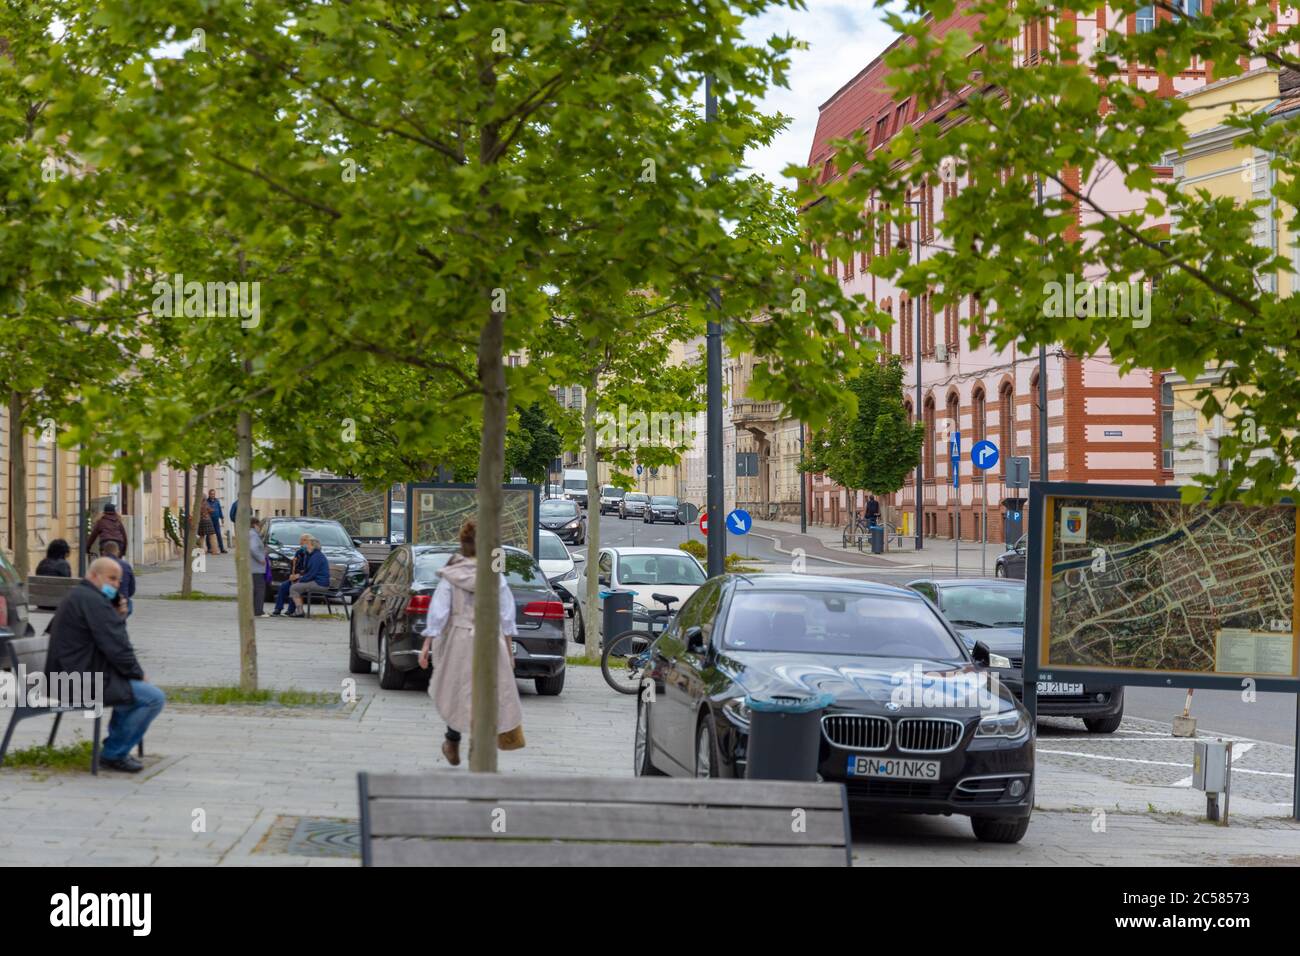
259, 592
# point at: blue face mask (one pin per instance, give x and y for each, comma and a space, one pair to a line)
108, 591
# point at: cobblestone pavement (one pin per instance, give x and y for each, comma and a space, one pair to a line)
268, 784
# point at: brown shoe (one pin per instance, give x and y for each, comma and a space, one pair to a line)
451, 750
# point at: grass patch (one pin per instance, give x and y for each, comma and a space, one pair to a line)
71, 757
197, 596
581, 662
234, 696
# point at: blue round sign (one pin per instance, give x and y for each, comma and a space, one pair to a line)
638, 471
739, 521
984, 454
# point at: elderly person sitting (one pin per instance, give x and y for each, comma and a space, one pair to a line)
315, 577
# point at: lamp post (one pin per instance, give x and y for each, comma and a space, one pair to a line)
803, 488
717, 536
916, 358
1042, 375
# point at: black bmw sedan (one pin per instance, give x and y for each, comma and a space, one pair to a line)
390, 614
914, 724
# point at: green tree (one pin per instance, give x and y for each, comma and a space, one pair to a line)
533, 446
872, 447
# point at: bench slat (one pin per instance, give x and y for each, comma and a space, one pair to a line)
577, 820
29, 651
389, 852
626, 790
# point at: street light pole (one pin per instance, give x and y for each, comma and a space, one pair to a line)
717, 536
920, 414
803, 488
1042, 377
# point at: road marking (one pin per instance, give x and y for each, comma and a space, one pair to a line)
1158, 763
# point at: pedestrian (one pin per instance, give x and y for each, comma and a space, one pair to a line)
205, 527
55, 563
214, 509
295, 569
234, 507
89, 638
259, 563
125, 590
108, 527
873, 511
451, 622
315, 577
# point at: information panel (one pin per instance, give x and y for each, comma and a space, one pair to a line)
363, 513
436, 512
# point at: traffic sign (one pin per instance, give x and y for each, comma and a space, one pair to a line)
704, 521
984, 454
687, 512
1018, 472
954, 450
638, 471
739, 521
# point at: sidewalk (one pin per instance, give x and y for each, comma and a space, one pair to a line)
938, 556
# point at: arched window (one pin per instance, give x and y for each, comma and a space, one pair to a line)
1007, 422
954, 417
928, 412
978, 425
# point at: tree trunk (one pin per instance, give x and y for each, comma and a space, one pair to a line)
18, 485
243, 560
590, 599
187, 559
487, 614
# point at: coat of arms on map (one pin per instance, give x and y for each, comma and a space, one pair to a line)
1074, 525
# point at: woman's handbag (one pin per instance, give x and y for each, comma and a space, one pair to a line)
511, 739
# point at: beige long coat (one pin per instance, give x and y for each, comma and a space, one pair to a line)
451, 624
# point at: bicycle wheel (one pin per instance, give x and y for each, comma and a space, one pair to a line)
622, 660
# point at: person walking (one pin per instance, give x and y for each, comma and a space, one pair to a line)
451, 622
205, 527
55, 563
88, 637
258, 562
108, 527
214, 509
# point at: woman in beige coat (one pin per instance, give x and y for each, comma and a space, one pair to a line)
451, 621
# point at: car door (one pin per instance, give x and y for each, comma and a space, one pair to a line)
395, 592
370, 608
1015, 564
682, 681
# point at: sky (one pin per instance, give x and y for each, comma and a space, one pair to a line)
843, 36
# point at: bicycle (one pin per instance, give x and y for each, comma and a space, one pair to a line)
625, 658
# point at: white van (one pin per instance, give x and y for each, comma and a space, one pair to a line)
575, 485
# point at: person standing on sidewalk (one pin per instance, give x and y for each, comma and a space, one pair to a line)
108, 527
214, 506
257, 561
451, 622
873, 511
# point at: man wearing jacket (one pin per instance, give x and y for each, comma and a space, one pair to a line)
315, 576
109, 527
88, 636
214, 505
295, 572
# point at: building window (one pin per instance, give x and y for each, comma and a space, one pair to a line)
929, 438
978, 424
1007, 423
1166, 425
882, 131
1191, 8
1146, 19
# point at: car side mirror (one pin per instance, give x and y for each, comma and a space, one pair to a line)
602, 579
980, 652
695, 643
356, 542
579, 558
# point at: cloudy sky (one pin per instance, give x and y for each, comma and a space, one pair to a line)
842, 37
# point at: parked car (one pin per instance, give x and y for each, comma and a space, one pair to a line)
662, 508
992, 610
390, 614
562, 569
894, 747
566, 518
1011, 563
14, 612
610, 498
633, 505
643, 571
282, 535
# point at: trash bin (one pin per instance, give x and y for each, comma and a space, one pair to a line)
877, 539
784, 736
617, 613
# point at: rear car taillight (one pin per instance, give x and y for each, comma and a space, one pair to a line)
546, 610
4, 610
419, 604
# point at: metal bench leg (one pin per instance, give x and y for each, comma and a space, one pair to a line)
307, 603
55, 729
9, 734
94, 749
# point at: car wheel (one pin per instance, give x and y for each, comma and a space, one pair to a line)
999, 571
579, 627
390, 678
356, 663
1103, 725
996, 830
550, 686
705, 764
642, 766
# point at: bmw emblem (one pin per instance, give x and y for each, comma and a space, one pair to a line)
893, 705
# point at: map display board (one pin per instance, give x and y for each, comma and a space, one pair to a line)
363, 513
436, 512
1143, 584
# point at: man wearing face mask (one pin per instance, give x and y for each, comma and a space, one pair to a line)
88, 636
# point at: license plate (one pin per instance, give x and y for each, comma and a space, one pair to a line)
893, 768
1051, 688
514, 648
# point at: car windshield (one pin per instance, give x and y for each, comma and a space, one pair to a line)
331, 534
659, 569
636, 496
664, 500
520, 567
966, 605
553, 548
575, 484
558, 507
838, 622
610, 492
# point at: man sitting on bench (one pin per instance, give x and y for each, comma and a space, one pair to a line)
315, 577
88, 636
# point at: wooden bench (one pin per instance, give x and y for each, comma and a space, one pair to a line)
462, 819
335, 595
30, 653
45, 591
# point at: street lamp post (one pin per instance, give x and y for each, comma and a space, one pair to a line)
916, 358
717, 535
1042, 377
803, 488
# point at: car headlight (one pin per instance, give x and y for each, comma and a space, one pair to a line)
573, 524
997, 660
570, 575
1010, 725
737, 710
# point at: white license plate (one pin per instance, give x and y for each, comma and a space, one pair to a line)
1051, 688
893, 768
514, 648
